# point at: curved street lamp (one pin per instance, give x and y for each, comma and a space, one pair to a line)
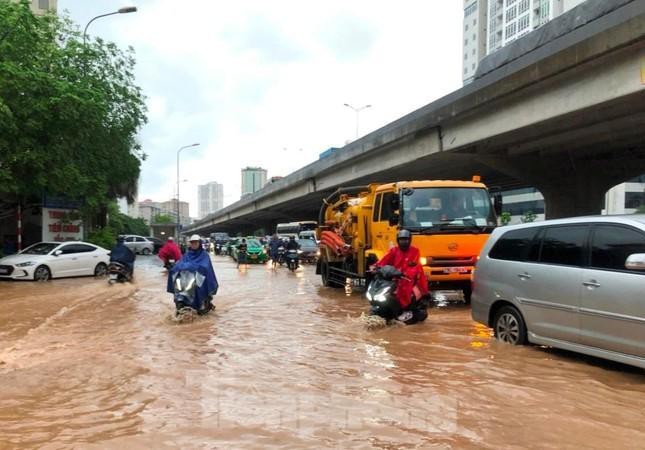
178, 216
124, 10
357, 110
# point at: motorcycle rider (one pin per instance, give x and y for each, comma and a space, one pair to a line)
242, 249
196, 259
292, 244
123, 255
274, 244
407, 259
169, 251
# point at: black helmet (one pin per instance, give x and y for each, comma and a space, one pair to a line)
404, 238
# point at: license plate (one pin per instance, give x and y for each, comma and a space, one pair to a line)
113, 276
254, 256
456, 270
3, 271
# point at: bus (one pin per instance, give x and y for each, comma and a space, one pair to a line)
295, 228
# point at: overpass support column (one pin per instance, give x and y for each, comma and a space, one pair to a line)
572, 185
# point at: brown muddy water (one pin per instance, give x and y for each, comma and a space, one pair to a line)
286, 363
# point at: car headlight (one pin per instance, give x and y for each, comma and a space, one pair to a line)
299, 252
26, 264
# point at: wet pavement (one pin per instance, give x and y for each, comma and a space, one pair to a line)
286, 363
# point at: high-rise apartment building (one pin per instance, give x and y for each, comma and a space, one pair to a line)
509, 20
43, 6
474, 29
210, 198
253, 179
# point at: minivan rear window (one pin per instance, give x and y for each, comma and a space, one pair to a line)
516, 245
563, 245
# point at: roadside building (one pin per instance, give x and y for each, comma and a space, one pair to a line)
210, 198
253, 179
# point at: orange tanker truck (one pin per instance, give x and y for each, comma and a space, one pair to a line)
449, 221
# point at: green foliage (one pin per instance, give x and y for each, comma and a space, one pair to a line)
69, 113
640, 210
163, 218
104, 237
529, 216
505, 218
123, 224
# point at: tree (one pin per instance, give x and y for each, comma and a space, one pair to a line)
163, 218
69, 113
505, 218
528, 217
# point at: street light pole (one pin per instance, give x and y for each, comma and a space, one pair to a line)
357, 110
177, 208
124, 10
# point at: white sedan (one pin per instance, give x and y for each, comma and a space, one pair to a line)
46, 260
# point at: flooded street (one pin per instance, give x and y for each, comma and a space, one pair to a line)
286, 363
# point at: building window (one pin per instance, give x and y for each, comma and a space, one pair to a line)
523, 23
511, 30
465, 70
465, 56
474, 51
466, 27
511, 13
473, 66
43, 4
470, 10
634, 200
474, 22
523, 6
466, 42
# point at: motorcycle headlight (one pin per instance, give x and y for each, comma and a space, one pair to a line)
26, 264
368, 294
382, 295
299, 252
178, 284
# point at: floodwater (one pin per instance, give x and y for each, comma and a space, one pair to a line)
285, 363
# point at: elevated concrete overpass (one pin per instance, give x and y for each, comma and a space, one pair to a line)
562, 109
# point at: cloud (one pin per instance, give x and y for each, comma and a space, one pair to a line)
249, 79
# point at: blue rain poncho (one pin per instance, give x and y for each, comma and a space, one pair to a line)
196, 261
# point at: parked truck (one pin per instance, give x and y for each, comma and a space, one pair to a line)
449, 220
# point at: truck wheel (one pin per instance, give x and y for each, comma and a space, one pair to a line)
324, 273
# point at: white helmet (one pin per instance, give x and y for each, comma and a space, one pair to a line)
195, 237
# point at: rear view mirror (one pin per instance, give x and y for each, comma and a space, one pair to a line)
394, 202
636, 262
394, 219
58, 252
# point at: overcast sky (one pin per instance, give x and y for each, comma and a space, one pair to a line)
263, 83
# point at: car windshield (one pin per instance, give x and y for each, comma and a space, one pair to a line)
431, 210
253, 243
307, 243
42, 248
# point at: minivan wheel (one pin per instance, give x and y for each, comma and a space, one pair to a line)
509, 326
145, 251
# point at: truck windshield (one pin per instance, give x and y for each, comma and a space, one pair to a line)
447, 209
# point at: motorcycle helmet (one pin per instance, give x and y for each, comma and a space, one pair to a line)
404, 239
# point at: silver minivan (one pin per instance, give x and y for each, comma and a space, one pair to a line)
139, 244
576, 284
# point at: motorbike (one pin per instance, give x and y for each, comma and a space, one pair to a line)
281, 255
292, 259
169, 264
185, 284
118, 272
381, 294
218, 248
